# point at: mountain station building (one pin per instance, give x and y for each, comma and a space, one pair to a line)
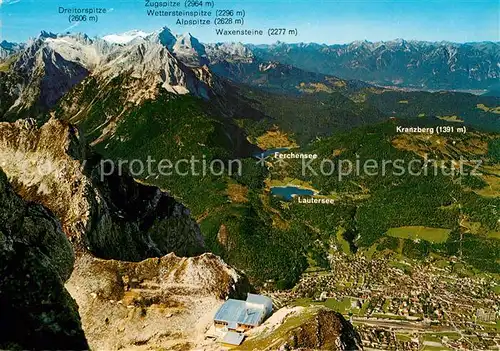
235, 317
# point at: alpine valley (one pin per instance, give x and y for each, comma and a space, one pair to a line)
143, 261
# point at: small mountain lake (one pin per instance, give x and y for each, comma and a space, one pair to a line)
267, 153
288, 192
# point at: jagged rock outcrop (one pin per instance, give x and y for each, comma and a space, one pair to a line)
325, 330
312, 328
36, 311
80, 48
101, 210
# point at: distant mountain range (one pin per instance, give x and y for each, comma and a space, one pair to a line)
413, 64
238, 78
399, 63
7, 49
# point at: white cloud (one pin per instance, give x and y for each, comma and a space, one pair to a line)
9, 2
76, 24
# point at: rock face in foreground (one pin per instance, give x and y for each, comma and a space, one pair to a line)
326, 330
110, 215
36, 311
162, 303
126, 298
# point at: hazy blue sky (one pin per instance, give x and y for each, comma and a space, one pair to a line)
331, 21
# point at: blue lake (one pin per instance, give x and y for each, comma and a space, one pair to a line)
288, 192
269, 152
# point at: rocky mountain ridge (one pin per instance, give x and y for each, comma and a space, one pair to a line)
49, 66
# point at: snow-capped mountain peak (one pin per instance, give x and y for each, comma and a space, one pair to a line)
51, 64
184, 46
125, 38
